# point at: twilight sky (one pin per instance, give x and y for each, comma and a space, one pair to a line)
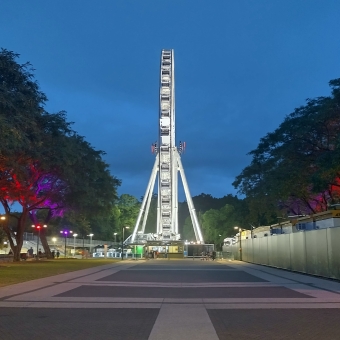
240, 67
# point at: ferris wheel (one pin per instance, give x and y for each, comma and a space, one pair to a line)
167, 165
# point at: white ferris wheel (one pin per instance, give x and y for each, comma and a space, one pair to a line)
167, 166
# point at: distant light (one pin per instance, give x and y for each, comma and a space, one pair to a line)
2, 217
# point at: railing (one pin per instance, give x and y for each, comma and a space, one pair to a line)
70, 241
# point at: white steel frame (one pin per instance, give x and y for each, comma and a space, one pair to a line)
167, 165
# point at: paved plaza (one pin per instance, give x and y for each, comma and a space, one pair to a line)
172, 299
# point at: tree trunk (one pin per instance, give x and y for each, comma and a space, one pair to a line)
43, 239
17, 249
19, 236
45, 245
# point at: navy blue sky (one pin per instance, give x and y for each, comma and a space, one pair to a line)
240, 67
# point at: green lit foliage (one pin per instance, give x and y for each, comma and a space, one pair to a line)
128, 208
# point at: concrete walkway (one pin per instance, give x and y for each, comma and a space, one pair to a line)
172, 299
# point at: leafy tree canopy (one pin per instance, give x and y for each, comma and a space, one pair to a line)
297, 165
44, 164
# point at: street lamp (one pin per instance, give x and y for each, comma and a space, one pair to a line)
54, 240
240, 232
74, 244
115, 235
65, 233
220, 243
90, 243
38, 227
123, 229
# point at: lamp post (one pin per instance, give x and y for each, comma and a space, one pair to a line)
38, 227
240, 236
91, 235
54, 239
123, 229
74, 244
115, 235
220, 243
65, 233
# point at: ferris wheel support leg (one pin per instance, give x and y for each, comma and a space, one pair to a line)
158, 209
174, 198
147, 193
194, 220
176, 201
154, 174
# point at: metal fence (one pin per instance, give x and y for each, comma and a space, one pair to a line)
314, 252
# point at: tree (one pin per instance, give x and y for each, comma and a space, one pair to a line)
219, 223
188, 230
21, 107
296, 165
21, 103
39, 166
128, 208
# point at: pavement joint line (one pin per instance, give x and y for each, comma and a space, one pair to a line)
188, 270
253, 300
182, 285
207, 305
177, 302
93, 305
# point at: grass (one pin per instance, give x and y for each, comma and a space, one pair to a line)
16, 272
